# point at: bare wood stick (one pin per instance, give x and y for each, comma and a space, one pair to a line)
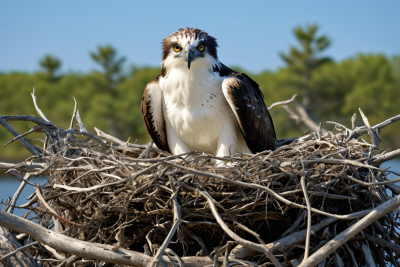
284, 244
18, 250
258, 247
379, 241
70, 245
115, 140
39, 195
19, 136
181, 262
304, 118
256, 186
344, 236
73, 114
70, 188
380, 126
157, 259
147, 151
333, 161
379, 159
282, 102
368, 184
23, 141
307, 250
18, 192
39, 111
374, 139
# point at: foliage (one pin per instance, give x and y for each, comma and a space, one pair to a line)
368, 82
50, 65
106, 56
305, 60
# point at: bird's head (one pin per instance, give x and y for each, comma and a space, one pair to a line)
189, 48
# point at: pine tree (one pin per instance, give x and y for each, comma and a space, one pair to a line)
106, 56
50, 65
305, 60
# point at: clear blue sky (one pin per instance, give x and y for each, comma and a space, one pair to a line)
250, 33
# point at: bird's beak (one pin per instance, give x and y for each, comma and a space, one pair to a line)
189, 55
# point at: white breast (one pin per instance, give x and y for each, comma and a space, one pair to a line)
195, 107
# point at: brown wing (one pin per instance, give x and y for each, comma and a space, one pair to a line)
247, 101
152, 114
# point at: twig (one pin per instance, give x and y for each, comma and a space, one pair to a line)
177, 220
239, 240
23, 141
307, 250
73, 114
39, 111
18, 250
344, 236
282, 102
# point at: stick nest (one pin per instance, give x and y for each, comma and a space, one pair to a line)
129, 196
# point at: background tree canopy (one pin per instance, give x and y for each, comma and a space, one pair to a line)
110, 100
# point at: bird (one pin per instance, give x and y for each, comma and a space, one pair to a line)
198, 103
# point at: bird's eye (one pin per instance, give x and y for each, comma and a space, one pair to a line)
177, 48
200, 47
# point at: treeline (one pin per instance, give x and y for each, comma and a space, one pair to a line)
110, 100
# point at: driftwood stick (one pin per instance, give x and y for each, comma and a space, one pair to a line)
115, 140
256, 186
284, 244
39, 111
18, 192
307, 250
258, 247
70, 245
305, 119
344, 236
18, 250
379, 241
9, 244
19, 136
379, 126
23, 141
379, 159
73, 114
282, 102
157, 259
374, 138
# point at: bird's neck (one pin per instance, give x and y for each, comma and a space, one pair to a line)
187, 88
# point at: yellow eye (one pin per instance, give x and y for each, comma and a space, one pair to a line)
200, 47
177, 48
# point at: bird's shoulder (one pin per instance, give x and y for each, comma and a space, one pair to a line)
245, 82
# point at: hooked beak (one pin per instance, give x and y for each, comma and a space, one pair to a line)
189, 55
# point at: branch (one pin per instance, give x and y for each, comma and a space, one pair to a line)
18, 250
303, 187
73, 246
23, 141
39, 111
282, 102
157, 259
344, 236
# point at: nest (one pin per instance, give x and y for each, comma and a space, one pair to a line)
273, 208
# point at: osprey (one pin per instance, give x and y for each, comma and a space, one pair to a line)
198, 103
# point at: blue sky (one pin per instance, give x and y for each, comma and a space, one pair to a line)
250, 33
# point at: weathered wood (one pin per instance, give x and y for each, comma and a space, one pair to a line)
8, 243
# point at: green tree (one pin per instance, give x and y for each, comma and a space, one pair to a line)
107, 57
50, 65
304, 60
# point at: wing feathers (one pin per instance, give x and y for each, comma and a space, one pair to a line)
247, 102
152, 114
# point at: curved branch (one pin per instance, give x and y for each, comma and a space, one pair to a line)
344, 236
